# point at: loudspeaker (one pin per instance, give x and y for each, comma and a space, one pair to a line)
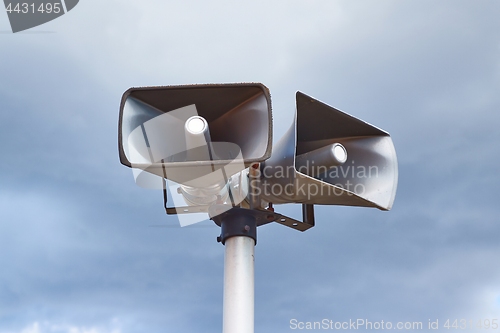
195, 135
329, 157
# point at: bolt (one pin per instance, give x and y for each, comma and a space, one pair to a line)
219, 200
247, 228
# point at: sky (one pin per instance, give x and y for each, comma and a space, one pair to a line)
85, 250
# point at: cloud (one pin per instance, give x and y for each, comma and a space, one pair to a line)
78, 252
48, 327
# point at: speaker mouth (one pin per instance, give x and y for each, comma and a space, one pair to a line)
238, 113
329, 157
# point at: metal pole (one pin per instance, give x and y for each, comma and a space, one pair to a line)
239, 235
238, 305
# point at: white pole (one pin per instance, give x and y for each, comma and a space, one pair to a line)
238, 304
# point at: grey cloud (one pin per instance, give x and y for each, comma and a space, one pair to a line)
76, 242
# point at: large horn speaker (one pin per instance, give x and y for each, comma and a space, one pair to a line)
329, 157
196, 135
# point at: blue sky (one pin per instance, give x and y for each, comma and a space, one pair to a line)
80, 246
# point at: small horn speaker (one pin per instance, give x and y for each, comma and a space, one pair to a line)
190, 133
329, 157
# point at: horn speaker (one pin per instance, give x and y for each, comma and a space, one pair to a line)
190, 133
331, 158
